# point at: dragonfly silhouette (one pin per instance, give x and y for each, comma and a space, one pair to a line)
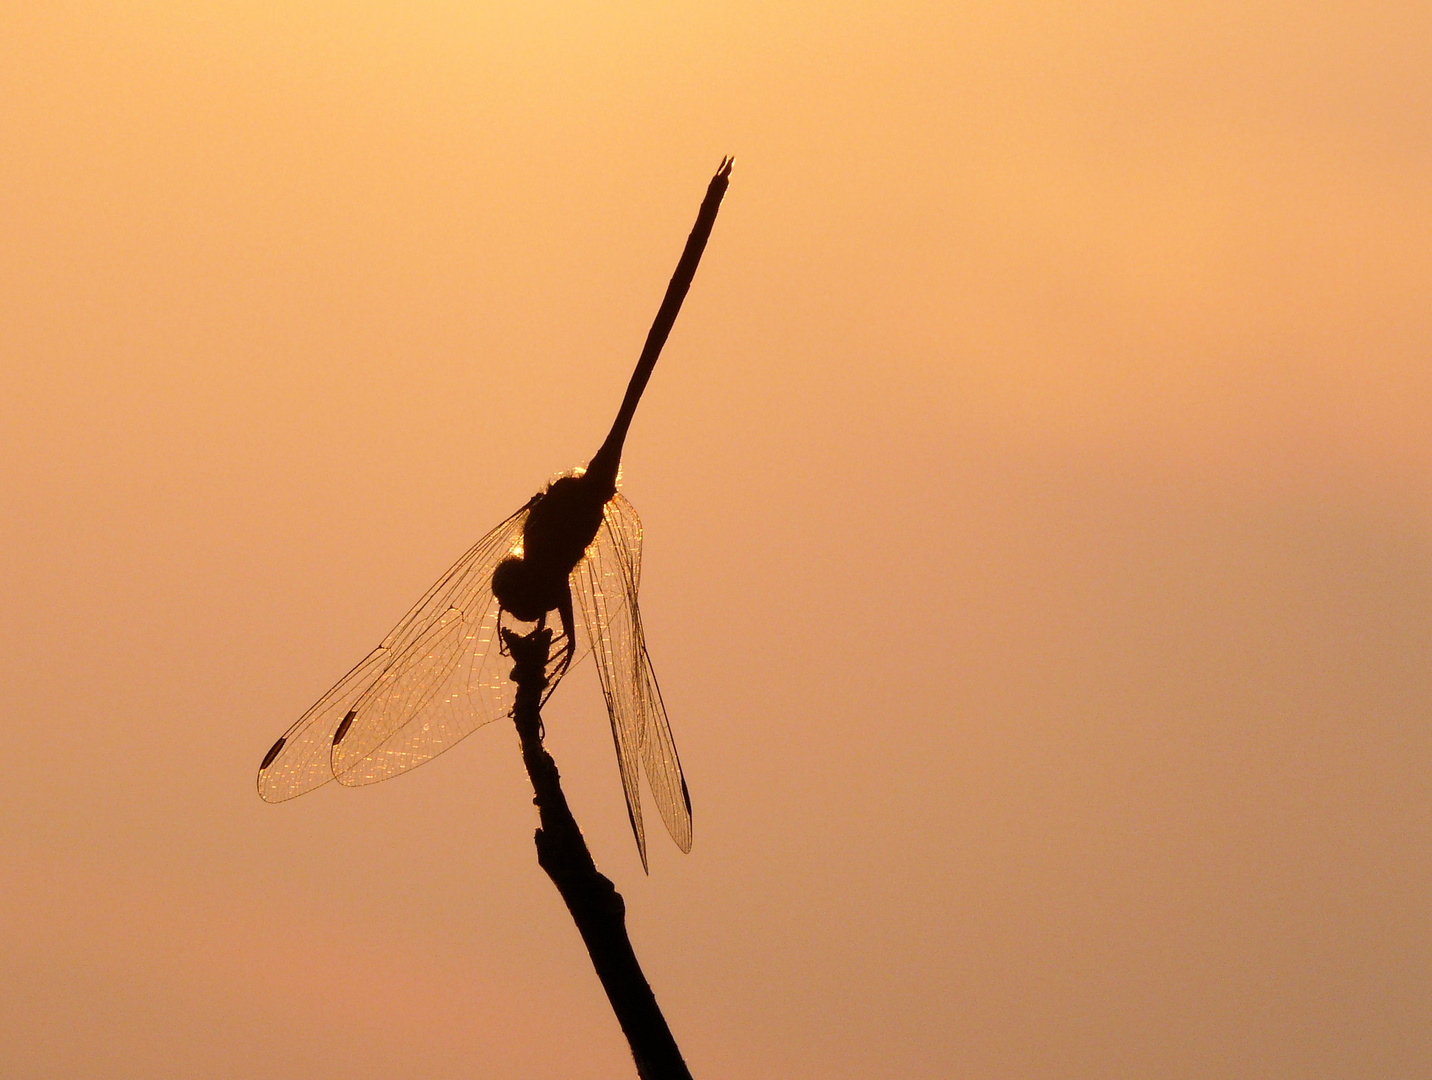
440, 674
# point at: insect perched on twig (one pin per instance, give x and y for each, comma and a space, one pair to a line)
441, 674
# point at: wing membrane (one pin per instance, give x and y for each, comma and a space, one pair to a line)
439, 666
606, 583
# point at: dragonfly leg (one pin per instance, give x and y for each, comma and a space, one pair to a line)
569, 627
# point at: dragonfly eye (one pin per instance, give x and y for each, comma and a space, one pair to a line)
516, 591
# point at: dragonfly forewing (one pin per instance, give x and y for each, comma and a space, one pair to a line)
300, 761
449, 682
435, 678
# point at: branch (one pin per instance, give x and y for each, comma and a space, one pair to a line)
592, 899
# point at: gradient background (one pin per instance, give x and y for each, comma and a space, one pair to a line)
1039, 530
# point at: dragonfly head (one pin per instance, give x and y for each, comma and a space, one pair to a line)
517, 589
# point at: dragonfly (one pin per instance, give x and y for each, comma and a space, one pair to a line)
441, 673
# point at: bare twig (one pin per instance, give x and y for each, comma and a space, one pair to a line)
594, 902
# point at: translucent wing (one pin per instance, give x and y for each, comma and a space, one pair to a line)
606, 583
436, 678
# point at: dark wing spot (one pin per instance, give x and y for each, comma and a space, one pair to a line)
273, 752
686, 795
343, 727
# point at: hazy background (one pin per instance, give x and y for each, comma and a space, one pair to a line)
1038, 517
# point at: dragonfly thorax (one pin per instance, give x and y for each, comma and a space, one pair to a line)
560, 527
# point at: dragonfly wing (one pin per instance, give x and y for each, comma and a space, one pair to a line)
439, 666
606, 581
446, 678
299, 761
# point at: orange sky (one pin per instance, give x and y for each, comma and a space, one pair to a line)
1038, 530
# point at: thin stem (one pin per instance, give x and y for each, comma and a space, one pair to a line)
595, 905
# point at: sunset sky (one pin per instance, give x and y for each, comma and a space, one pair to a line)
1037, 508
